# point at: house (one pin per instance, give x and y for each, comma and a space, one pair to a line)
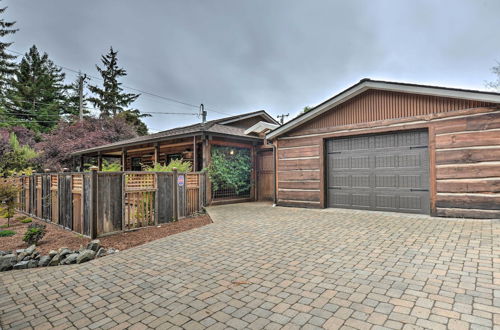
194, 143
390, 146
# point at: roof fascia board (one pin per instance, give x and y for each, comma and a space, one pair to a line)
259, 113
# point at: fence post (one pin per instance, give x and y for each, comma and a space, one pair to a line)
93, 202
175, 195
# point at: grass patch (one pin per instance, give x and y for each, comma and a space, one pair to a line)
7, 233
4, 226
27, 220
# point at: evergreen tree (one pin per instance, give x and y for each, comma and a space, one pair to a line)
37, 99
110, 99
7, 64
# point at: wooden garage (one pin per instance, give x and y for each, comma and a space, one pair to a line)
391, 146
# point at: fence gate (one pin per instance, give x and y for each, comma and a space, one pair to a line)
139, 199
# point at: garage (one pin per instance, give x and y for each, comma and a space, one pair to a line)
394, 146
383, 172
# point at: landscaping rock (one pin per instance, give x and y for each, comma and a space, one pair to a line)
100, 253
55, 260
21, 256
21, 265
44, 261
32, 263
94, 245
85, 256
52, 253
63, 252
3, 253
7, 262
111, 251
31, 249
26, 257
70, 259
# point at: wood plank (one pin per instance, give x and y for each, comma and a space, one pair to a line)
468, 171
472, 123
313, 196
469, 186
468, 213
299, 164
299, 184
482, 138
299, 175
482, 201
310, 151
467, 156
310, 205
306, 141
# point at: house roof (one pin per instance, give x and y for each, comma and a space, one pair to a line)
366, 84
212, 126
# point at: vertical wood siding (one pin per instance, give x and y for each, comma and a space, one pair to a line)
374, 105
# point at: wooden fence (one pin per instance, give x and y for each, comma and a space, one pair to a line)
97, 203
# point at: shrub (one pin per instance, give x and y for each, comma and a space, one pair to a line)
8, 195
230, 168
20, 218
181, 165
7, 233
34, 234
27, 220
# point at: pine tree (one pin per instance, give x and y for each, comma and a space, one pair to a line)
37, 99
110, 99
7, 64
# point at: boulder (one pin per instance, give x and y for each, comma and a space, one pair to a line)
31, 249
100, 253
55, 260
7, 262
52, 253
94, 245
32, 263
21, 265
44, 261
85, 255
63, 252
111, 251
19, 251
70, 259
3, 253
21, 256
27, 257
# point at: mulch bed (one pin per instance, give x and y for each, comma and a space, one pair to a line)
57, 237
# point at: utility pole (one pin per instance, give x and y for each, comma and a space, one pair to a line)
203, 114
282, 118
81, 81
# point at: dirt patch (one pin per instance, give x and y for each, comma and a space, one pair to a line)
57, 237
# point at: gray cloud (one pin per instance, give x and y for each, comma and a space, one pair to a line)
238, 56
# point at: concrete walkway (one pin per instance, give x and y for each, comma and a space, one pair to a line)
263, 267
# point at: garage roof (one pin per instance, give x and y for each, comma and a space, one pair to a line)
366, 84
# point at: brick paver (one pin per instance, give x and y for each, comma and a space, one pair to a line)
263, 267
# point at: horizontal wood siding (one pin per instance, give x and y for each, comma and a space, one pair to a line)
468, 166
374, 105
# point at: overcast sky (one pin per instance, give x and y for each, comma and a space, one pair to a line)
240, 56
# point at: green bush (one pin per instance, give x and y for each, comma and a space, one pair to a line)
230, 168
27, 220
20, 218
7, 233
181, 165
34, 234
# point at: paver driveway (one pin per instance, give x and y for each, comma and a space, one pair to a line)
264, 267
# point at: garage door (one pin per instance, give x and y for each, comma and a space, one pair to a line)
383, 172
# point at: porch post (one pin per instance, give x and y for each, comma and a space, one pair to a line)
157, 153
194, 154
206, 161
124, 159
99, 161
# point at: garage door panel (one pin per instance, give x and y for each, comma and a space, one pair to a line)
380, 172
